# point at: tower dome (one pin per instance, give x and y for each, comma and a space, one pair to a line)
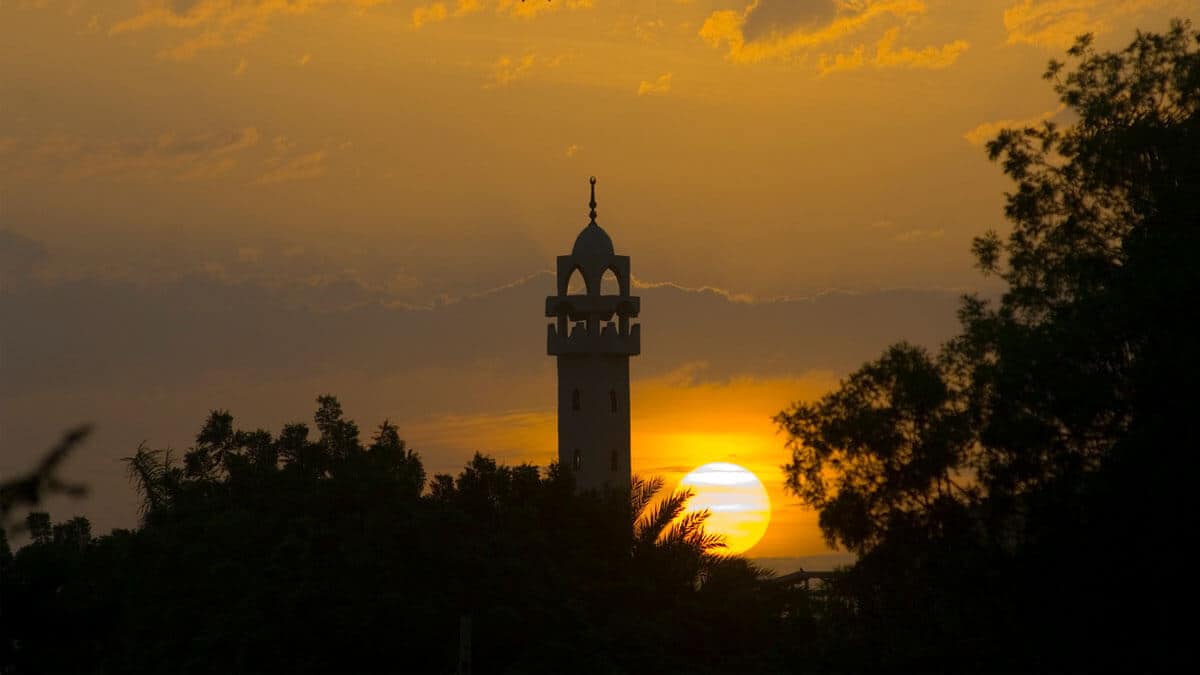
593, 240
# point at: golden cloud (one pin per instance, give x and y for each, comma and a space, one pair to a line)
727, 26
660, 86
988, 130
438, 12
532, 8
1054, 23
508, 69
429, 14
887, 56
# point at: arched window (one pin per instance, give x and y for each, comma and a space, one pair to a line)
609, 284
612, 398
616, 463
575, 400
576, 282
578, 459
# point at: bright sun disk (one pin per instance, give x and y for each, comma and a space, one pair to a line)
737, 500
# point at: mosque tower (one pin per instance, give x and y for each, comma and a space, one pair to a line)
593, 337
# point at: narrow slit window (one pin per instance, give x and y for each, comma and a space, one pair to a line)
575, 400
616, 464
612, 398
578, 459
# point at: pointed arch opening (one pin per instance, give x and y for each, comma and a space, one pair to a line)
576, 282
610, 283
612, 399
578, 461
575, 400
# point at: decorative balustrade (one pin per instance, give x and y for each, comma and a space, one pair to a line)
609, 340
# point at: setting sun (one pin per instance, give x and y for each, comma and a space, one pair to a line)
736, 499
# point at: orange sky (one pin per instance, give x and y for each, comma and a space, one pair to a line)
245, 203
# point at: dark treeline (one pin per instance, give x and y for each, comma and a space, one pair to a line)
1022, 499
317, 552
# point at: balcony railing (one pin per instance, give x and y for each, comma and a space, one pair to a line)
579, 340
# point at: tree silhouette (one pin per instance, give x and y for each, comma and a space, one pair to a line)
989, 482
38, 524
43, 481
263, 552
884, 451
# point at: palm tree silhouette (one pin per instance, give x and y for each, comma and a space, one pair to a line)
669, 545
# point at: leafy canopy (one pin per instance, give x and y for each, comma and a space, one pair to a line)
1086, 358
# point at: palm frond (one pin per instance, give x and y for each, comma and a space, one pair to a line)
689, 530
149, 470
686, 527
655, 521
642, 491
706, 542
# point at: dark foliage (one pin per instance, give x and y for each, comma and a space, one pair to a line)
1018, 499
29, 490
261, 552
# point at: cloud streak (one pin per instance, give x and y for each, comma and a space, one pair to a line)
217, 24
986, 131
214, 24
304, 167
1056, 23
509, 69
200, 156
170, 156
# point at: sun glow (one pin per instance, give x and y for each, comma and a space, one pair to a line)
737, 500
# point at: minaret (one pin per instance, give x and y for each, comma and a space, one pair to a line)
593, 339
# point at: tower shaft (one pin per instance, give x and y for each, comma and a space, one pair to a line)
593, 419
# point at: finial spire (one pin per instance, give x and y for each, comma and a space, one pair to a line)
592, 203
